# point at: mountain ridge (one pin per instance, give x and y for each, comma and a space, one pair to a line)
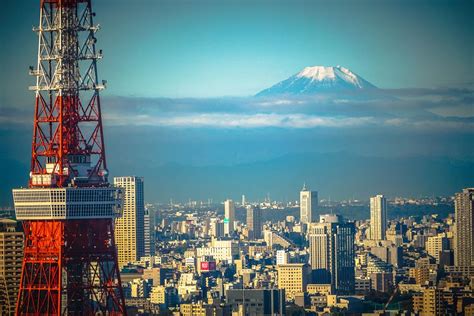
314, 79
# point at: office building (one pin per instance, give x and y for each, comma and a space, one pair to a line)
129, 229
463, 233
378, 217
149, 232
257, 301
435, 245
308, 205
332, 253
11, 256
254, 222
221, 250
229, 217
216, 227
293, 278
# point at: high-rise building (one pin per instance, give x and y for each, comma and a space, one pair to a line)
293, 278
464, 232
332, 253
229, 217
11, 255
308, 205
149, 232
244, 201
254, 222
216, 227
378, 217
129, 229
433, 303
435, 245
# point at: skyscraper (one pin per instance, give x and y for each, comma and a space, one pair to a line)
229, 217
11, 255
332, 252
149, 232
308, 205
378, 217
464, 232
130, 228
254, 222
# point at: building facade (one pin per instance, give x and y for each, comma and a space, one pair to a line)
435, 245
378, 217
332, 253
254, 222
257, 301
229, 217
293, 278
149, 232
11, 256
464, 221
308, 205
130, 228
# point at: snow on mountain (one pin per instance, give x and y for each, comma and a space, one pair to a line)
318, 79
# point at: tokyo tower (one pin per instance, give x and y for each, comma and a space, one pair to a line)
68, 210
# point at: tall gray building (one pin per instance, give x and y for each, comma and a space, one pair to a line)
130, 228
149, 232
254, 222
378, 217
331, 243
464, 232
308, 205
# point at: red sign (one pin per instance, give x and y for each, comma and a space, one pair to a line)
208, 266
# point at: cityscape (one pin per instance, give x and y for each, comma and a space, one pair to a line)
321, 193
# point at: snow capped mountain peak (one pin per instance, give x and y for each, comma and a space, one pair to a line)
317, 72
316, 79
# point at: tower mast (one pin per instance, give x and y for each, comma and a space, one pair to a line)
68, 211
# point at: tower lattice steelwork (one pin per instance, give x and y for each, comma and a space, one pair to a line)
70, 258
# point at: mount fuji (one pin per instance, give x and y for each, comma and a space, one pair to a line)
312, 80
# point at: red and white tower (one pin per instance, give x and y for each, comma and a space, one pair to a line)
70, 258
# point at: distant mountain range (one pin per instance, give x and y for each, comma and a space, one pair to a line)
312, 80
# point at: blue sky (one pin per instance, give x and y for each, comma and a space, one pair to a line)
181, 76
221, 48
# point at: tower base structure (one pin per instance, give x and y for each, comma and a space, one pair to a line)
70, 262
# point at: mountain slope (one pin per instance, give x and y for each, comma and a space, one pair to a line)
316, 79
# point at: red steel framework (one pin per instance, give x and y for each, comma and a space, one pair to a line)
70, 262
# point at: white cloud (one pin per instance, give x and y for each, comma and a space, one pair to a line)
232, 120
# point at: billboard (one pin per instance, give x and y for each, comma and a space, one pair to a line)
207, 266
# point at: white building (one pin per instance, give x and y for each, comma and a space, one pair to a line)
436, 244
129, 229
308, 205
220, 250
282, 257
229, 217
378, 217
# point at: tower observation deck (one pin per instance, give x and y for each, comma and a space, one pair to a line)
68, 210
